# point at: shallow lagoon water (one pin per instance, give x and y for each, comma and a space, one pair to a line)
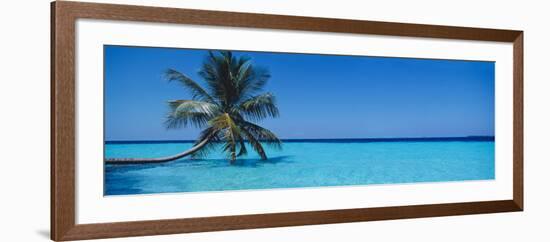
300, 164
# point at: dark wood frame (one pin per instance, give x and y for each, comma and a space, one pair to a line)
63, 17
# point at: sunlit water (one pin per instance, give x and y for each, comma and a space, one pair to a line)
300, 164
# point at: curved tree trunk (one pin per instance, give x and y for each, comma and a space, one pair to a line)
123, 161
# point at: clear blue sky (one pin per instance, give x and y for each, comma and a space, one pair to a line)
319, 96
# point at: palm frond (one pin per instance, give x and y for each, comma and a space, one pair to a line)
216, 72
261, 134
232, 79
196, 90
179, 106
230, 133
243, 150
186, 112
256, 145
252, 79
260, 107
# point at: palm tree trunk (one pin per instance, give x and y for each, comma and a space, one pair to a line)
233, 157
124, 161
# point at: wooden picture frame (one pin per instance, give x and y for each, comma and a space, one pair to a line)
63, 17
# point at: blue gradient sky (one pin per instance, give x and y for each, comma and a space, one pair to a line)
319, 96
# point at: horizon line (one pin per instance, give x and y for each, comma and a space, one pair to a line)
469, 137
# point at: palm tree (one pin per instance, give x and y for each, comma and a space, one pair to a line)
224, 110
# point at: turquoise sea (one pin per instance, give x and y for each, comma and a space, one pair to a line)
302, 163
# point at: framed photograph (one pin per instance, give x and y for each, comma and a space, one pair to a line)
172, 120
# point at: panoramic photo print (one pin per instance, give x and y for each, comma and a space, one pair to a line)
194, 120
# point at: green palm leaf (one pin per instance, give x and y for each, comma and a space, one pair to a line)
186, 112
260, 107
196, 90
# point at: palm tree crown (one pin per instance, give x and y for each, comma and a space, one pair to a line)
225, 108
